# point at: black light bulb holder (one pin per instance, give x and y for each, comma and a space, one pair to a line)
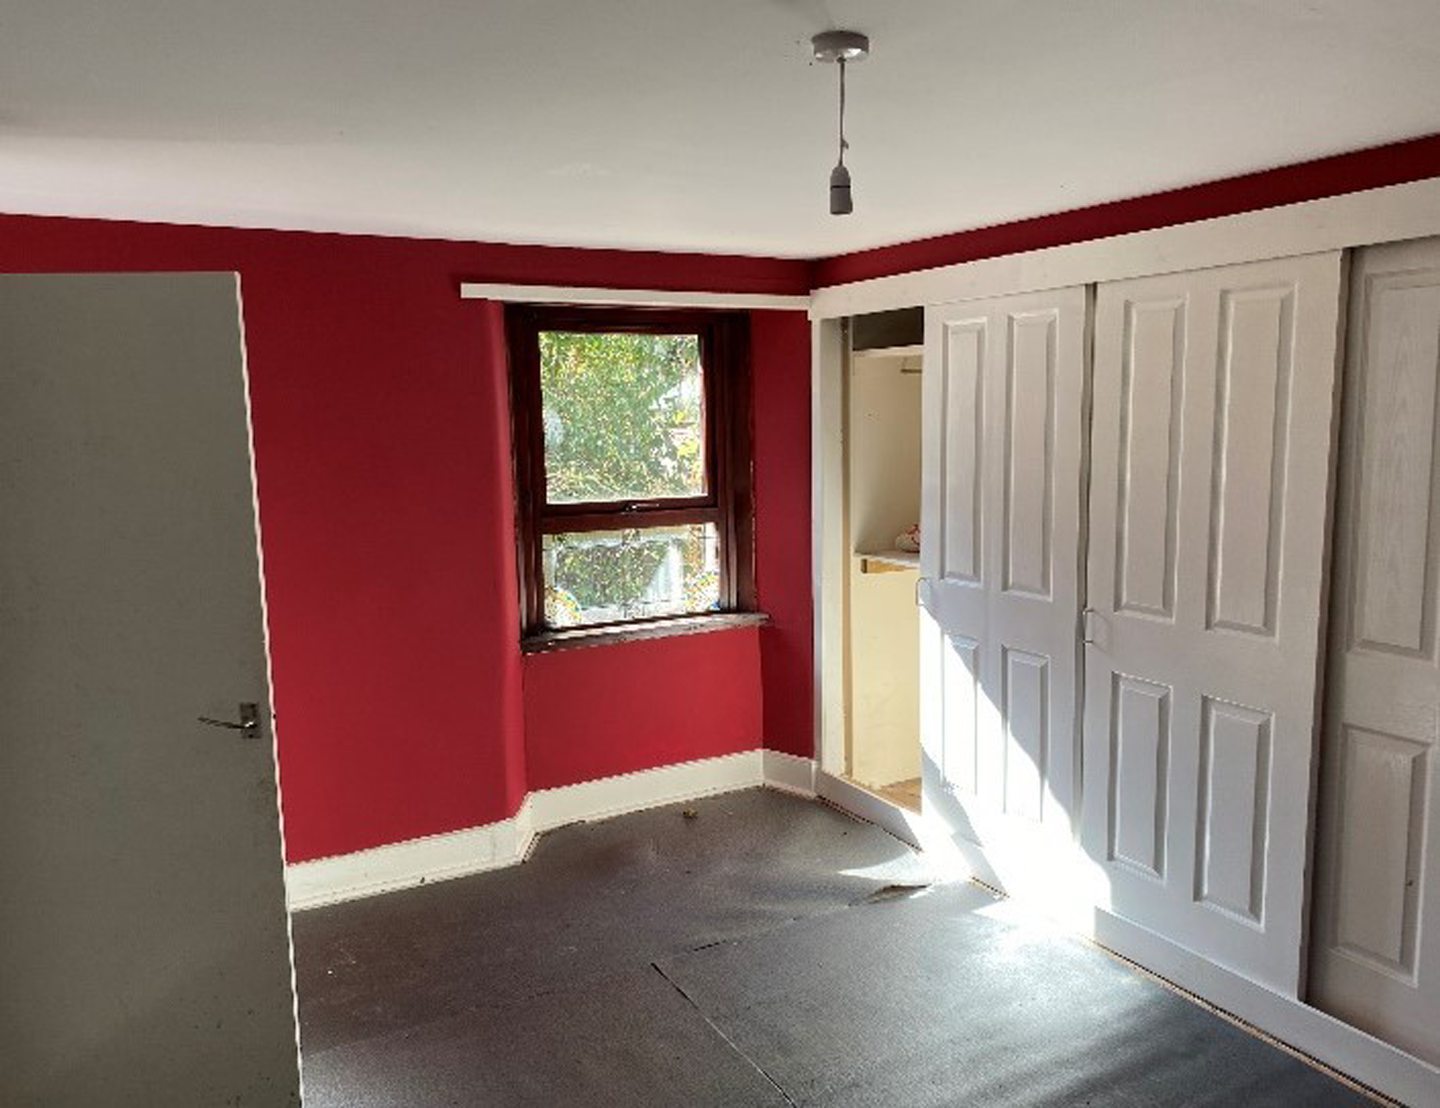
842, 201
841, 47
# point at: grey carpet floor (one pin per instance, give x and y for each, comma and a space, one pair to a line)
768, 951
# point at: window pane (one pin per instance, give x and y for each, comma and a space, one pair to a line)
624, 416
604, 576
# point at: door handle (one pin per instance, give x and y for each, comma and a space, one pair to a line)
248, 724
1093, 629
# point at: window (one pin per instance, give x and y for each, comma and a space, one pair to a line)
632, 465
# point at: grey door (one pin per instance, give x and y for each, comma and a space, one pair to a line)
144, 946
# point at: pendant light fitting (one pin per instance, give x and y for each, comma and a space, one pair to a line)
841, 47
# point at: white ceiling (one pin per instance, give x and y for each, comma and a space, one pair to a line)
680, 124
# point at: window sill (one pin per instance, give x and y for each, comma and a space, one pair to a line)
572, 638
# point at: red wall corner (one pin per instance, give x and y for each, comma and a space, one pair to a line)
382, 457
780, 364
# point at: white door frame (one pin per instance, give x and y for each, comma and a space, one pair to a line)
829, 364
1373, 216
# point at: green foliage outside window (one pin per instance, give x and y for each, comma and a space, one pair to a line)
602, 576
623, 416
624, 420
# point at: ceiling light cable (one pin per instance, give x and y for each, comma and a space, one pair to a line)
841, 47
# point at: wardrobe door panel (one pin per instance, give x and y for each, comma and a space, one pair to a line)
1211, 447
1000, 580
1376, 948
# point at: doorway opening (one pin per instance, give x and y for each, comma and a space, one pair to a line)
882, 481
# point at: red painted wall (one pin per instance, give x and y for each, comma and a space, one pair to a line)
1376, 167
383, 460
601, 710
781, 366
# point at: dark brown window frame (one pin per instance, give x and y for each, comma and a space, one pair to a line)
728, 504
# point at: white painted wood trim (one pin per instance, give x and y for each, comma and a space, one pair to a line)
789, 773
506, 842
404, 865
633, 792
829, 546
631, 298
1387, 214
1293, 1022
905, 825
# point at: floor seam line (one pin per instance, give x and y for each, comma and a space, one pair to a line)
758, 1068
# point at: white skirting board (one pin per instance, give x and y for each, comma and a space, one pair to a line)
1344, 1048
905, 825
476, 849
403, 865
788, 773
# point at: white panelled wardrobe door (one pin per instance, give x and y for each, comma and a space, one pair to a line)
1003, 419
1210, 467
1376, 940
